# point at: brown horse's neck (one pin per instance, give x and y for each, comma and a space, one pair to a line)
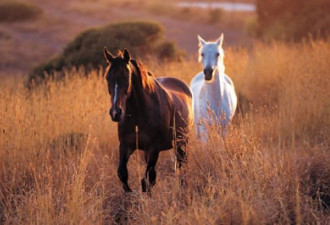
142, 90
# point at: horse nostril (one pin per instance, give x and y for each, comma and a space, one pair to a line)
119, 112
208, 71
115, 114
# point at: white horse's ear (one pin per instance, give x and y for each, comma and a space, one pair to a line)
201, 41
220, 40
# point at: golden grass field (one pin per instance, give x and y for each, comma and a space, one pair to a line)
59, 149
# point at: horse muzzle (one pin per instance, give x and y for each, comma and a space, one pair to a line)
208, 74
116, 114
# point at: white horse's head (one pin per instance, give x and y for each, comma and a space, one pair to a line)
211, 55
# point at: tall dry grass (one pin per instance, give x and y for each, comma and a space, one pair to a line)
59, 150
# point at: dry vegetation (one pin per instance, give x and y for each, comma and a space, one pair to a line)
58, 150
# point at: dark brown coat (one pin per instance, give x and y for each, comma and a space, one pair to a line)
153, 105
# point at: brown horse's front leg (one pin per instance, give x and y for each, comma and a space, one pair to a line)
150, 176
124, 154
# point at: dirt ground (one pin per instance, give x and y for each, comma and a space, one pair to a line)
23, 45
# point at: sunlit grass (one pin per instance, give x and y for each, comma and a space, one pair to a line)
59, 149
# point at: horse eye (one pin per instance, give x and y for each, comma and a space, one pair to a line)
202, 54
218, 54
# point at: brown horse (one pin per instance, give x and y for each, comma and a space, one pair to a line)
153, 105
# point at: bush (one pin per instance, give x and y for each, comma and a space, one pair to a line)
140, 38
12, 11
294, 19
169, 50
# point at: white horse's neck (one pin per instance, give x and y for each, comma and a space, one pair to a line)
216, 86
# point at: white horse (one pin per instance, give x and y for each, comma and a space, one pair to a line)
213, 91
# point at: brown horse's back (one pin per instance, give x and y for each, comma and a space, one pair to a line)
172, 83
182, 99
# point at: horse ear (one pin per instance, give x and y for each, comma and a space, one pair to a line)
108, 56
127, 56
201, 41
220, 40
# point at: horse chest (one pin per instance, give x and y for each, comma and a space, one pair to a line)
146, 134
213, 100
209, 98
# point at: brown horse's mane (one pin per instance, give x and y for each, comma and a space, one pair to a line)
148, 83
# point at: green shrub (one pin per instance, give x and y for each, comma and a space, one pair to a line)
12, 11
169, 50
140, 38
294, 19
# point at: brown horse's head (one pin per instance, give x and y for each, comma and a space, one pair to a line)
119, 78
